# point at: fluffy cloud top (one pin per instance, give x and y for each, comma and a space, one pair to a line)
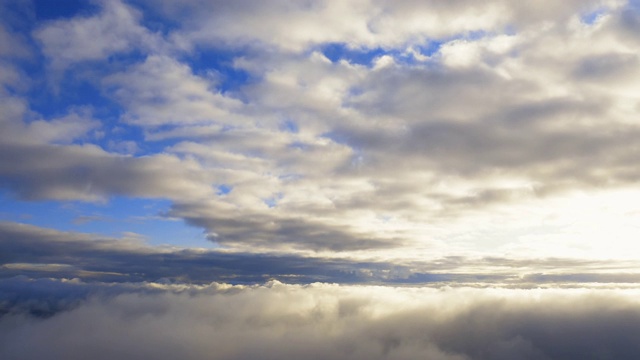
320, 321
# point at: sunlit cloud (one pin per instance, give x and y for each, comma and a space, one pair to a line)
317, 321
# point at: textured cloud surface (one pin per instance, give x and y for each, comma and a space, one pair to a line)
320, 321
378, 128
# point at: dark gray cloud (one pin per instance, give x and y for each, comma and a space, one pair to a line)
321, 321
43, 253
265, 231
89, 173
490, 131
606, 66
37, 252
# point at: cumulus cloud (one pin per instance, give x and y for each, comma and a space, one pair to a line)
161, 91
453, 113
87, 172
39, 165
360, 24
114, 29
320, 321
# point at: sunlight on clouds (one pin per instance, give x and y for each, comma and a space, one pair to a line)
390, 130
595, 225
368, 179
317, 321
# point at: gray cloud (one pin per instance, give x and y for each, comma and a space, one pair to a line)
40, 252
44, 253
322, 321
263, 231
115, 29
607, 66
89, 173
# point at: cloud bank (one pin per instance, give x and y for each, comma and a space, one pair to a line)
44, 253
320, 321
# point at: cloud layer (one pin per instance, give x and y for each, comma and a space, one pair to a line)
322, 321
404, 129
43, 253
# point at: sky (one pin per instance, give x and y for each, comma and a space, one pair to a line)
370, 178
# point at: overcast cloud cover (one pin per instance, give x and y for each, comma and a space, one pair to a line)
321, 179
321, 321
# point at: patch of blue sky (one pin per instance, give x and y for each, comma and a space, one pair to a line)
46, 10
430, 48
85, 96
140, 216
272, 201
510, 30
361, 56
79, 91
72, 93
336, 52
87, 100
593, 16
475, 34
289, 126
224, 189
53, 10
220, 63
117, 216
154, 19
41, 213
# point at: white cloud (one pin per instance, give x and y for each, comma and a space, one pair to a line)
62, 130
359, 23
162, 91
115, 29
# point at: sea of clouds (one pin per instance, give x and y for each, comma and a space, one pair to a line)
70, 319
